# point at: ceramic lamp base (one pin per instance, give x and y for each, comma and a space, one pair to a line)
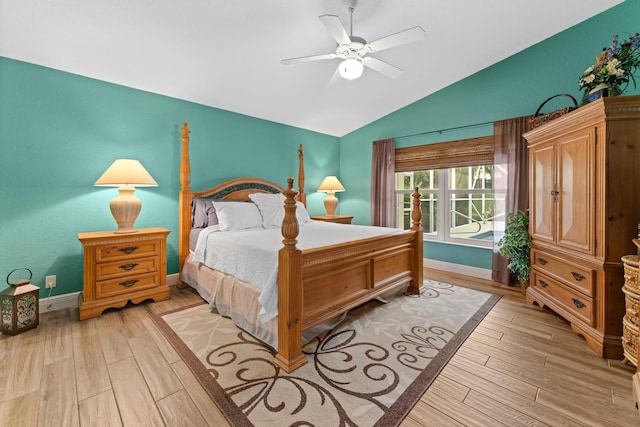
125, 209
331, 203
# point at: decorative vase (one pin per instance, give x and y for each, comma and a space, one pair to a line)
598, 92
603, 90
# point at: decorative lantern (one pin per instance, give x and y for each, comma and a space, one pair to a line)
19, 305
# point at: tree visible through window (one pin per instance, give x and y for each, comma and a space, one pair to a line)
457, 203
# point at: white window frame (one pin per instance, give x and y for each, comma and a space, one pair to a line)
443, 218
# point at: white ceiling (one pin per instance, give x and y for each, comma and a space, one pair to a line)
226, 54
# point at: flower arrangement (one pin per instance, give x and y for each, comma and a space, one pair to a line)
614, 67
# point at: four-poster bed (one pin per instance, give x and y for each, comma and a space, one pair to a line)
317, 284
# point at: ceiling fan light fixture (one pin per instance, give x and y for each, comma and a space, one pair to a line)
351, 68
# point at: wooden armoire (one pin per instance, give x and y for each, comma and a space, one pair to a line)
584, 193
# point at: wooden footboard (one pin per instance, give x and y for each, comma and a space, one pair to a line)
317, 285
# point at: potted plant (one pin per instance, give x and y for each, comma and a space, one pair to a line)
515, 245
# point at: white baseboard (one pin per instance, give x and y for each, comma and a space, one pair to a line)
481, 273
61, 302
173, 279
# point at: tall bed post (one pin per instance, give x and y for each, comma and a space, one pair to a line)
290, 355
302, 196
184, 215
416, 225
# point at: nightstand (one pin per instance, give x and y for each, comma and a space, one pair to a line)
340, 219
123, 267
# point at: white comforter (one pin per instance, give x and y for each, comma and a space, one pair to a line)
252, 255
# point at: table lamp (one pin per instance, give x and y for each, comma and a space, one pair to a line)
330, 185
126, 174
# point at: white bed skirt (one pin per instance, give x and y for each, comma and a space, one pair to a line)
238, 301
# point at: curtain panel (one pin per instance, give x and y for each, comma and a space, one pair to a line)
383, 183
511, 184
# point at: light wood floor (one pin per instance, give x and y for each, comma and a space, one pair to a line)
521, 366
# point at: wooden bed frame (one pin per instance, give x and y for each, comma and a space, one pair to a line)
315, 285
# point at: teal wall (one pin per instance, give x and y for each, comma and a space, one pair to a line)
60, 132
514, 87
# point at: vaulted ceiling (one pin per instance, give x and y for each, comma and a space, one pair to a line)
226, 54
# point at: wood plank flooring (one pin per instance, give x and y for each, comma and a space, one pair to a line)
522, 366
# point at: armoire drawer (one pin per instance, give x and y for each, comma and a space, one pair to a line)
580, 305
124, 285
578, 277
126, 267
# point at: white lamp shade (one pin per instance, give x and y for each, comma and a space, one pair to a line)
351, 68
330, 184
126, 174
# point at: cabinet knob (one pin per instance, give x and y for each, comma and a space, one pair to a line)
128, 249
578, 303
554, 192
128, 283
577, 276
128, 267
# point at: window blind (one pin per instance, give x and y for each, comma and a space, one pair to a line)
464, 152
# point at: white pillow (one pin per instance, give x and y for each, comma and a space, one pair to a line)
271, 208
301, 213
237, 216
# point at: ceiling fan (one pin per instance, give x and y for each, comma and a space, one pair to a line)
354, 50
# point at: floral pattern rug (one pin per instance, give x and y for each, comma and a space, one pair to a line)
369, 370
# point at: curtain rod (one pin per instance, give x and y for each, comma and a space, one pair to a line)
444, 130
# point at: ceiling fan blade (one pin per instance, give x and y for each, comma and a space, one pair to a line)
403, 37
382, 67
335, 78
336, 29
308, 58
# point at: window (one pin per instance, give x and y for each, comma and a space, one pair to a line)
457, 203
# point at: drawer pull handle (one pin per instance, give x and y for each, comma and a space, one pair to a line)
542, 261
128, 249
128, 283
128, 267
577, 276
543, 283
578, 303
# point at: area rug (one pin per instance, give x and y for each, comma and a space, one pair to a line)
368, 371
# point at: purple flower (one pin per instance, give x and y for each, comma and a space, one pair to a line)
613, 49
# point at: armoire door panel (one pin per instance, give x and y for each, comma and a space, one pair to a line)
575, 183
542, 210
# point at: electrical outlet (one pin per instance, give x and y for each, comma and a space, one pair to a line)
50, 282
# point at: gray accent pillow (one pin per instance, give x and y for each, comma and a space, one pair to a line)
203, 214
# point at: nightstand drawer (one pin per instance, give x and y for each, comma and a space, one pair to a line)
127, 250
579, 305
578, 277
126, 267
107, 288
